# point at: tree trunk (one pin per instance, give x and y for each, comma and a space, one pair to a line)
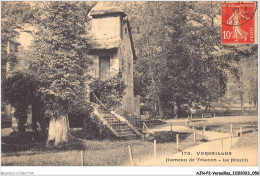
58, 131
178, 109
242, 101
22, 125
207, 106
38, 116
34, 118
255, 102
174, 111
42, 122
85, 126
21, 116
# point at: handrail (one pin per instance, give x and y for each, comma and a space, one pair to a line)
106, 123
145, 126
99, 102
120, 118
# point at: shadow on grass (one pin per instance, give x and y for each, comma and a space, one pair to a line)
168, 136
226, 127
98, 152
154, 122
31, 143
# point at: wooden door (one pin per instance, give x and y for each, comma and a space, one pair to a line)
104, 67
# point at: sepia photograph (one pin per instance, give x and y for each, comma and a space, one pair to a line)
129, 83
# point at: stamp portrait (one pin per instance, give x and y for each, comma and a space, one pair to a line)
238, 23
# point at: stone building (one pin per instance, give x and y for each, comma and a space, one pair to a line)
111, 53
112, 50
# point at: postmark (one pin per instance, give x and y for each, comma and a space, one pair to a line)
238, 22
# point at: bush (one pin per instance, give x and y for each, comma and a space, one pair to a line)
168, 136
20, 91
109, 92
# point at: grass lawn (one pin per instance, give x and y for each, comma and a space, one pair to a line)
249, 140
96, 153
115, 152
222, 124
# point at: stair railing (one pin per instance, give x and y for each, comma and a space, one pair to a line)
114, 118
145, 128
122, 119
111, 119
106, 123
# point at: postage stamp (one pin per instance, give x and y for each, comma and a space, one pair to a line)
238, 23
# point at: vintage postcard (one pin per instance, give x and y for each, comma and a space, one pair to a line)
129, 83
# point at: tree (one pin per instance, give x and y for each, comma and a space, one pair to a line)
182, 43
245, 73
14, 15
152, 51
60, 47
20, 91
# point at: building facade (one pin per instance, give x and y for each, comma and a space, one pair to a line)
112, 50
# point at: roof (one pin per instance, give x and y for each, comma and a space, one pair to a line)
111, 43
102, 9
106, 9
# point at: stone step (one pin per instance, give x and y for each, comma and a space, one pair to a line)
119, 125
126, 133
109, 118
103, 112
124, 129
121, 128
114, 123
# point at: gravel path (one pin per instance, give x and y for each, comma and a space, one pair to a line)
216, 152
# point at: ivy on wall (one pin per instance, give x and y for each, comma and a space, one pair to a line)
110, 92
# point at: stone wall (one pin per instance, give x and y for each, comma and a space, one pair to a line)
126, 66
106, 27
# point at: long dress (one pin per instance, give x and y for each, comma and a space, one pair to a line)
238, 32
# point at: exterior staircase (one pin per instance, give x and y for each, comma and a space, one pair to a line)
116, 123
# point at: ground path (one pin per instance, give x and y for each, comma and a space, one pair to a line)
6, 131
214, 144
212, 153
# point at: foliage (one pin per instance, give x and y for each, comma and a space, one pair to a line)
60, 47
110, 92
20, 90
182, 42
245, 75
13, 16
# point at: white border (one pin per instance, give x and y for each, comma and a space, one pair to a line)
135, 170
120, 170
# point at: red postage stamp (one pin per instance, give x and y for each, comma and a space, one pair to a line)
238, 23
